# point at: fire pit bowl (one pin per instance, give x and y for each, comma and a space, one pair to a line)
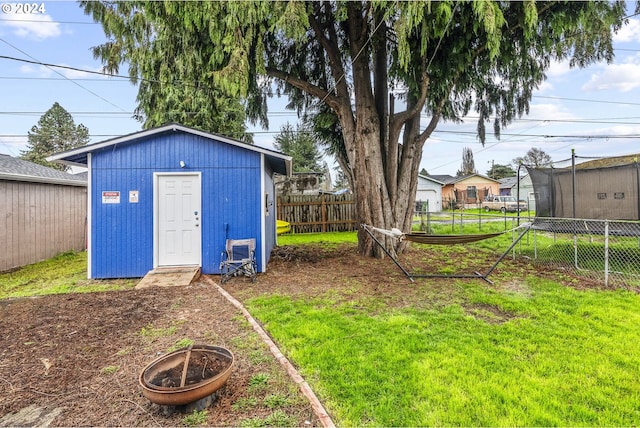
186, 375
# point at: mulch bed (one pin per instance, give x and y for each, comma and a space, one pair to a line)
83, 353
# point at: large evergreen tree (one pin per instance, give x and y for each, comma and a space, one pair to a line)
468, 165
55, 132
167, 61
345, 59
300, 144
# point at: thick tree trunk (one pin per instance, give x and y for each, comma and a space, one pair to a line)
373, 155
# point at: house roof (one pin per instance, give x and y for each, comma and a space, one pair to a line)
431, 178
447, 179
444, 179
279, 162
508, 182
15, 169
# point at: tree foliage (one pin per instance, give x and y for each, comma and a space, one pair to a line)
343, 60
300, 144
468, 166
174, 69
535, 157
498, 171
55, 132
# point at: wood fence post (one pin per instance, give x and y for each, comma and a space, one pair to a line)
323, 212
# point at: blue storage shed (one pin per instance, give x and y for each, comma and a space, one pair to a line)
171, 196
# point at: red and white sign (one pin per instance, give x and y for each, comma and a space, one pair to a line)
110, 197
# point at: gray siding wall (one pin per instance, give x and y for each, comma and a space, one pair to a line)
38, 221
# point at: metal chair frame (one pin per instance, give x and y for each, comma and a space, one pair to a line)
239, 258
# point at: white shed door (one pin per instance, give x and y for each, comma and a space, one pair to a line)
179, 241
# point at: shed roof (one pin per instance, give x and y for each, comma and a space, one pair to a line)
608, 162
15, 169
280, 162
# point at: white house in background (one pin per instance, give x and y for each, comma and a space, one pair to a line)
429, 193
509, 186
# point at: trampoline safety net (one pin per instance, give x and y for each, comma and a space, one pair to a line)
600, 193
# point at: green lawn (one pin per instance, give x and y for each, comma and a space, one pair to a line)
565, 358
64, 273
540, 355
329, 239
534, 354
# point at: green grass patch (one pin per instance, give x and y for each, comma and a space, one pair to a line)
555, 357
244, 403
258, 382
64, 273
331, 239
109, 370
275, 419
152, 333
274, 401
195, 418
181, 343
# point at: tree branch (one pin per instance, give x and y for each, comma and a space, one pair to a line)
332, 50
316, 91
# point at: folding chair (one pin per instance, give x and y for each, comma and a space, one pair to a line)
239, 258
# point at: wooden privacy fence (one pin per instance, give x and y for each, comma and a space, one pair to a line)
318, 213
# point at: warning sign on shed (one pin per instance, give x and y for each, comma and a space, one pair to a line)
110, 197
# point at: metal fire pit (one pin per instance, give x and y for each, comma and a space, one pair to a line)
186, 375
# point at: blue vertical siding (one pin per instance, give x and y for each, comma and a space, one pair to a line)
122, 234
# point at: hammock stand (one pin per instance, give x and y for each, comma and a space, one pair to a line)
424, 238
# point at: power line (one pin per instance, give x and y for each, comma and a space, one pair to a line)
586, 100
603, 120
60, 74
128, 78
66, 67
99, 73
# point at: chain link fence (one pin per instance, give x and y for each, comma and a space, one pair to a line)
605, 251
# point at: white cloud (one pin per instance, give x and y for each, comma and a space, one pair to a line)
628, 33
36, 71
557, 69
44, 71
545, 87
615, 77
32, 26
554, 111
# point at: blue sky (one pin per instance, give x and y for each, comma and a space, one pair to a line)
595, 111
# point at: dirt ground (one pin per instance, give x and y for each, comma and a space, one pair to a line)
78, 356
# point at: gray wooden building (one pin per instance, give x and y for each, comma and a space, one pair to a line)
42, 212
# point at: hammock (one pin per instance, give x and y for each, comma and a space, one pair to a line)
424, 238
444, 240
